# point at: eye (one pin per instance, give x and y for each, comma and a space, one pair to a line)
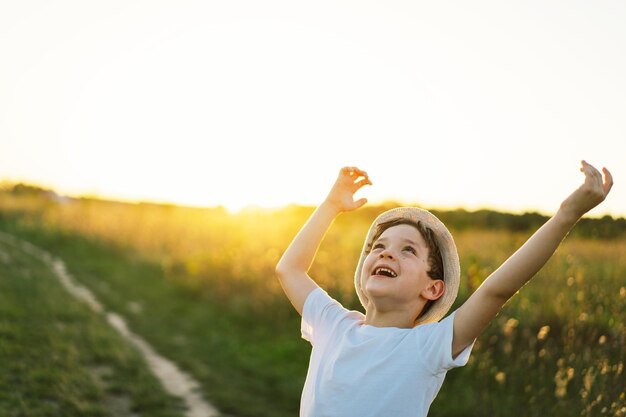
378, 246
410, 249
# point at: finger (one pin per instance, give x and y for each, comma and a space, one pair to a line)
359, 184
358, 172
608, 181
347, 173
583, 166
353, 172
360, 202
587, 167
597, 178
592, 175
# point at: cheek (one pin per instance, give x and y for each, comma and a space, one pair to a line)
369, 261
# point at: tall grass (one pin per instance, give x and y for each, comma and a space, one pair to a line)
557, 348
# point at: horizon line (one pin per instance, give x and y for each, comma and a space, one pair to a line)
5, 184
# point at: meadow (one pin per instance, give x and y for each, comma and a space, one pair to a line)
58, 358
199, 285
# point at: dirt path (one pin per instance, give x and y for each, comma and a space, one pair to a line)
174, 380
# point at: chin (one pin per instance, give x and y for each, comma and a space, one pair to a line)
374, 290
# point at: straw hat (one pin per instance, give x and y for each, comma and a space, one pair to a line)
449, 256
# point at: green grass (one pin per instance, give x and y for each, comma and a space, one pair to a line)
244, 345
247, 365
58, 358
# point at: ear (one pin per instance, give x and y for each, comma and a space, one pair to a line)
434, 290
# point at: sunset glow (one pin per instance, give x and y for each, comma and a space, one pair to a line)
233, 104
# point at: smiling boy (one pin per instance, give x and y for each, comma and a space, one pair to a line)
392, 361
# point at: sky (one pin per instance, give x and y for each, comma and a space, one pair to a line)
483, 104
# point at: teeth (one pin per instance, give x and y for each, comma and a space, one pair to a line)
385, 271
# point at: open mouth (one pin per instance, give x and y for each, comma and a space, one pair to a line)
385, 272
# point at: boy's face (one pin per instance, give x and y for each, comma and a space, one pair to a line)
396, 269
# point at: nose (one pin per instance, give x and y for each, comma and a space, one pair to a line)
386, 253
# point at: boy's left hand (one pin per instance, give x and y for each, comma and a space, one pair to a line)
591, 193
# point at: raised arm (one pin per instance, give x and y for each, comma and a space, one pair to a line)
292, 269
482, 306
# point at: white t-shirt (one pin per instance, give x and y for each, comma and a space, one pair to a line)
358, 370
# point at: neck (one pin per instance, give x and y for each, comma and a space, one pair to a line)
403, 318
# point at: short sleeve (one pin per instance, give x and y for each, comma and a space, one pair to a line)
435, 340
320, 314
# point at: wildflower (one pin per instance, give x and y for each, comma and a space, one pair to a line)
543, 332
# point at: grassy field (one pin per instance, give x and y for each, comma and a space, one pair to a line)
199, 286
58, 358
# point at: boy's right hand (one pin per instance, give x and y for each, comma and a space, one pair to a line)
292, 269
349, 181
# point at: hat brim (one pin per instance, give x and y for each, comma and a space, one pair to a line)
449, 255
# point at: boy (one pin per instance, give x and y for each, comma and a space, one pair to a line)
392, 360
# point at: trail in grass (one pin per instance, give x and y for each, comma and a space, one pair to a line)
175, 381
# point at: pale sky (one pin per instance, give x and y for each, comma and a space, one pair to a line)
446, 104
